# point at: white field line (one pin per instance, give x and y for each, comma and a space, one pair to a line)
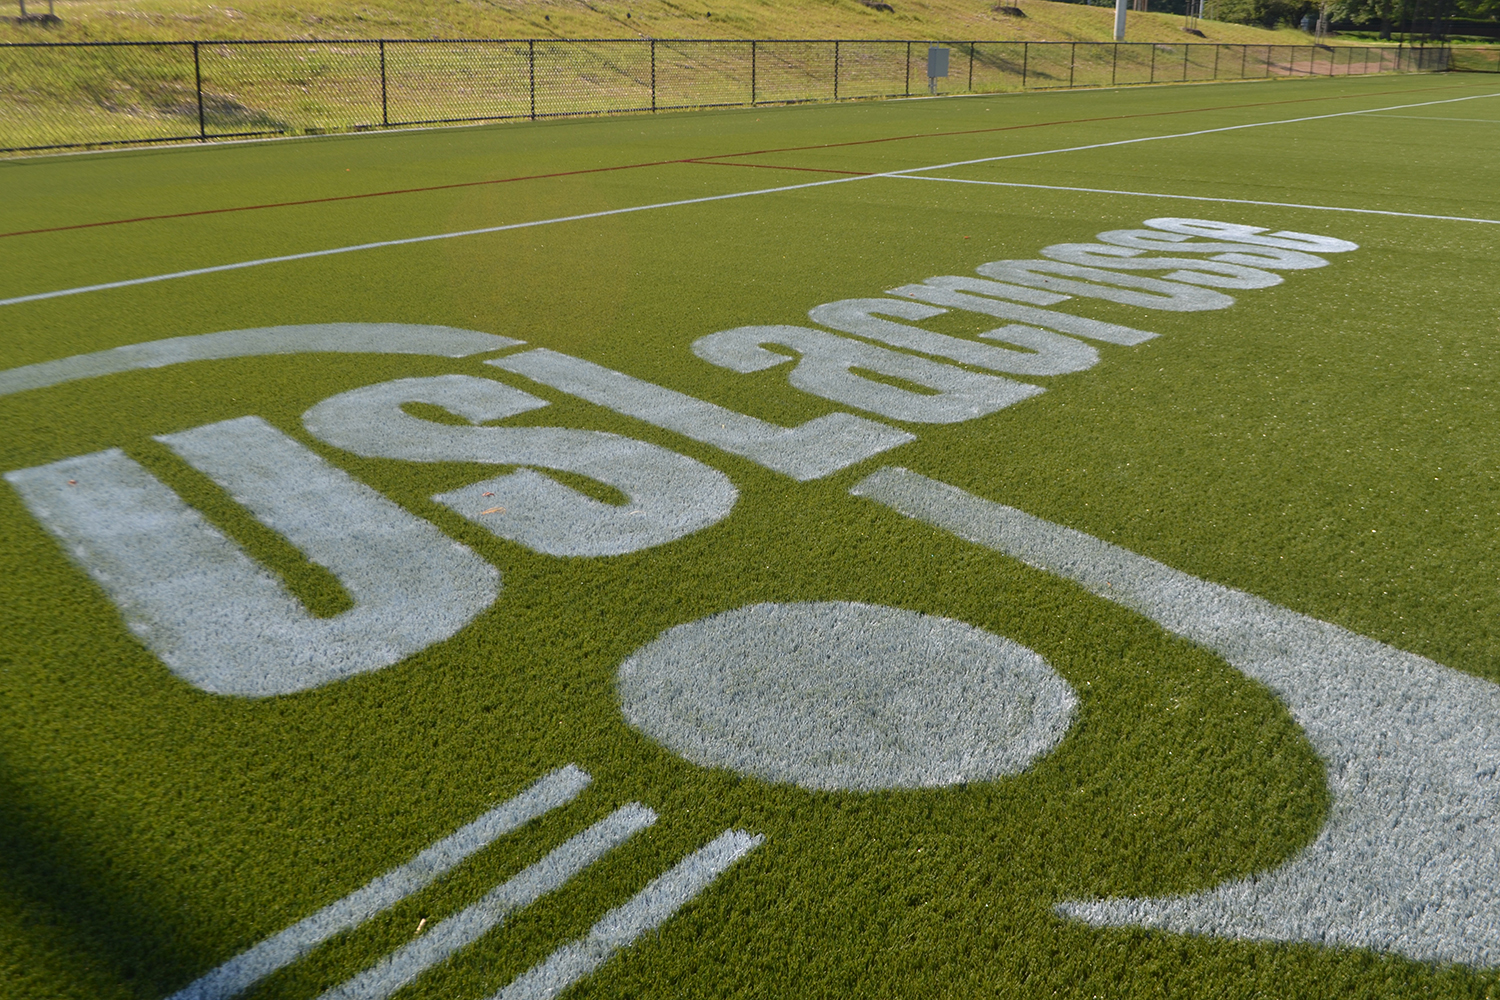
620, 927
1433, 118
1173, 135
275, 952
1194, 197
194, 272
465, 927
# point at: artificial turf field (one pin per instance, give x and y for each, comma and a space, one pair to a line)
914, 807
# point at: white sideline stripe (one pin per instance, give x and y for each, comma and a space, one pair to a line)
646, 910
1433, 118
411, 239
1173, 135
470, 924
1194, 197
556, 789
38, 296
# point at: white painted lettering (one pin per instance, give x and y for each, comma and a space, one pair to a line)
812, 450
670, 495
1254, 255
216, 618
1051, 353
1092, 282
951, 291
1286, 240
824, 370
1212, 273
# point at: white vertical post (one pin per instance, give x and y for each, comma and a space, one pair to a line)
1120, 20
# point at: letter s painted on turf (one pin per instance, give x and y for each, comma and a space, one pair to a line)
670, 495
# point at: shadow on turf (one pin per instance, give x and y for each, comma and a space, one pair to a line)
96, 920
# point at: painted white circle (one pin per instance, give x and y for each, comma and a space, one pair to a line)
837, 695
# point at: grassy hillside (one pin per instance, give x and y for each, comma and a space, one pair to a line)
131, 20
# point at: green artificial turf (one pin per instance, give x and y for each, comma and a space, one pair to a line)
1327, 444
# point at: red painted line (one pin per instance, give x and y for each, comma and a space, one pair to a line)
699, 160
775, 166
343, 197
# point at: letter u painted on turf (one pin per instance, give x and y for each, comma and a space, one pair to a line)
670, 495
217, 619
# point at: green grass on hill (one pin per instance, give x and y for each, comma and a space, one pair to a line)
163, 20
76, 95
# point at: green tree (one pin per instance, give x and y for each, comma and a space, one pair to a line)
1267, 12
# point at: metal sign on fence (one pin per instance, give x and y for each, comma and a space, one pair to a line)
937, 65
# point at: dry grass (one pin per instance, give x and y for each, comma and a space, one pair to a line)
952, 20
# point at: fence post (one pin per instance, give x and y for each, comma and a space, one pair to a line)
908, 69
531, 72
1072, 62
653, 74
1186, 49
1153, 62
835, 69
971, 66
1025, 61
1218, 51
198, 85
1244, 57
752, 73
385, 117
1114, 65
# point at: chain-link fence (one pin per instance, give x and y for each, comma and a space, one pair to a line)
1475, 59
55, 96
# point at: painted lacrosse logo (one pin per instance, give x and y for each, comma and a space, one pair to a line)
223, 623
1405, 863
226, 625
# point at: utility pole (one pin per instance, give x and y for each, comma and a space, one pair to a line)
1120, 19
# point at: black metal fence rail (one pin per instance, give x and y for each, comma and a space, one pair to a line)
64, 95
